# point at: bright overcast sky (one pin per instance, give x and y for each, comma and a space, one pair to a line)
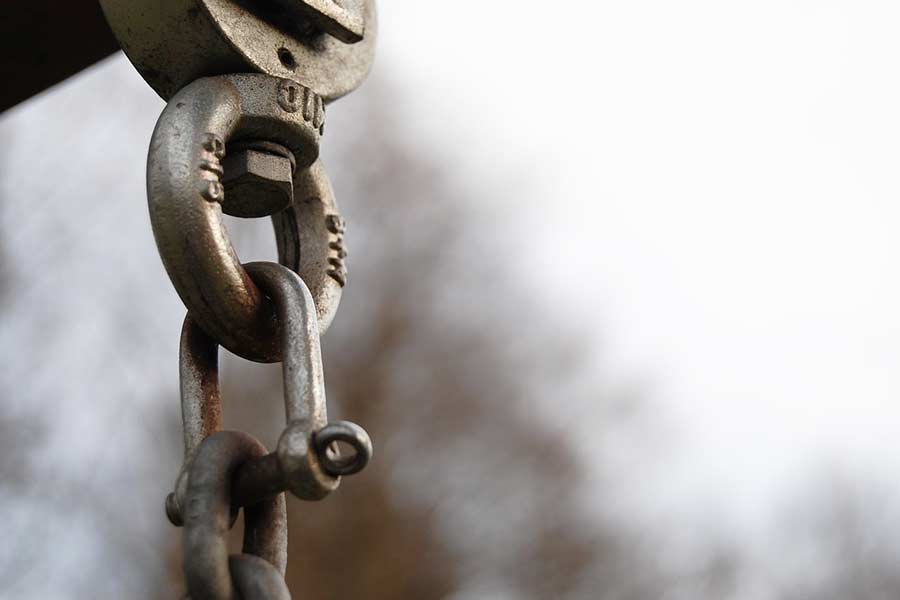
709, 188
718, 189
712, 190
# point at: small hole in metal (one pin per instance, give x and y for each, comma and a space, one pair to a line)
337, 437
341, 450
287, 58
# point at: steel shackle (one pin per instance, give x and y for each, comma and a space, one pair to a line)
185, 191
305, 462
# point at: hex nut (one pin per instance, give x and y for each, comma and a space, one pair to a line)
257, 183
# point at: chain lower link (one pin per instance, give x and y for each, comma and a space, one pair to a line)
306, 462
258, 573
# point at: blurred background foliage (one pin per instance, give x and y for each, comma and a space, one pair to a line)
473, 491
485, 477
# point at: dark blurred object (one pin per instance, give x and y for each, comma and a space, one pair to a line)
45, 41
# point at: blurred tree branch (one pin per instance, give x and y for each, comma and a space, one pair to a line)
469, 485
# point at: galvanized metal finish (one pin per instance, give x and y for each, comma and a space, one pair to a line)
343, 23
184, 188
322, 44
300, 234
258, 179
209, 573
248, 81
255, 579
299, 458
349, 433
304, 462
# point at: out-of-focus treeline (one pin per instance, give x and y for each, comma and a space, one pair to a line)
478, 487
472, 491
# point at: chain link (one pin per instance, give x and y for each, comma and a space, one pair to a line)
306, 461
247, 144
258, 573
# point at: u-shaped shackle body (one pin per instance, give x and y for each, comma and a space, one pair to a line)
303, 462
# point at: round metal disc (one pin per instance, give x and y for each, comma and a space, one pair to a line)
279, 47
174, 42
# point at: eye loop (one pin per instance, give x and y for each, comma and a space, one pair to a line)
349, 433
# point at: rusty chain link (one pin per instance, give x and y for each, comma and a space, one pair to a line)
257, 573
304, 462
226, 470
246, 86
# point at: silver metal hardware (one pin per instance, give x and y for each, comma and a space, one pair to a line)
258, 179
304, 462
247, 83
185, 191
318, 43
257, 573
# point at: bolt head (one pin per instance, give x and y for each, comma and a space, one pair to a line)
257, 183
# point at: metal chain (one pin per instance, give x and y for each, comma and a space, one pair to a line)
304, 462
247, 144
185, 193
225, 470
257, 573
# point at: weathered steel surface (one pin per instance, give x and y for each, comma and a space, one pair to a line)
209, 573
247, 82
258, 179
326, 47
342, 22
304, 462
303, 449
184, 189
